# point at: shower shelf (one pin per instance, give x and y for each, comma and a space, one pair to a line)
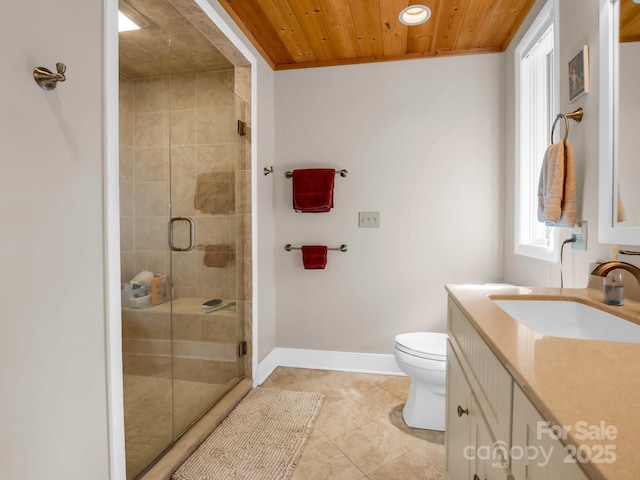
184, 305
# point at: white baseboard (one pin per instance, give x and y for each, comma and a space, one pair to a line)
326, 360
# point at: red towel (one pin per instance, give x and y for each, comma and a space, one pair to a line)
313, 189
314, 256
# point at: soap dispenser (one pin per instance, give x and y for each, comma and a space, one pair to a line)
613, 284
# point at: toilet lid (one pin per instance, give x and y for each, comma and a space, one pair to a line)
424, 344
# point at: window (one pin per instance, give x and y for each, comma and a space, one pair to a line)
536, 104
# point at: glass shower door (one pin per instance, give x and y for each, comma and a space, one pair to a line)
207, 189
145, 264
185, 233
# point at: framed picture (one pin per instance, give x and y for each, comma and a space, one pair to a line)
579, 74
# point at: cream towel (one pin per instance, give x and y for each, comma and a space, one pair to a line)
557, 187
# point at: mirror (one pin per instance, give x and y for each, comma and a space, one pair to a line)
619, 110
628, 105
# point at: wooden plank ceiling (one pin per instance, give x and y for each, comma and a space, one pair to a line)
629, 21
312, 33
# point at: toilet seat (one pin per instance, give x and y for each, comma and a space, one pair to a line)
427, 345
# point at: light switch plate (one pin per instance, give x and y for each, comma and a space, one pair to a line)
369, 219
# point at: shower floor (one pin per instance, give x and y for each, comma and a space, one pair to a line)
154, 411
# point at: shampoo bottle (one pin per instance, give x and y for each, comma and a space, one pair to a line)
156, 289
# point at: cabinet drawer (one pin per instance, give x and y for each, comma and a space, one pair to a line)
489, 380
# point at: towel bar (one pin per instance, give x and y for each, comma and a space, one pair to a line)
342, 173
576, 115
341, 248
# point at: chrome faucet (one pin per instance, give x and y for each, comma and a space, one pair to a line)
604, 268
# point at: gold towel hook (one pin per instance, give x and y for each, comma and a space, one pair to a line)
47, 79
575, 115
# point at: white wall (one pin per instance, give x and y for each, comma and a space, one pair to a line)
578, 27
422, 141
53, 390
264, 238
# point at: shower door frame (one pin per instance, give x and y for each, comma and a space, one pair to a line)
113, 325
240, 299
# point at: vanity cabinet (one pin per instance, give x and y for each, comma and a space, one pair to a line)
490, 421
478, 415
545, 457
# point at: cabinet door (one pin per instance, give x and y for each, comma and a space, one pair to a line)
488, 378
457, 419
491, 457
534, 454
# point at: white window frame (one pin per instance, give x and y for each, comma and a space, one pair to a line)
532, 238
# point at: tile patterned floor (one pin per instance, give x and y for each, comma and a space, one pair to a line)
359, 433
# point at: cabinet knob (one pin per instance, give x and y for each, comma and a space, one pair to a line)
461, 412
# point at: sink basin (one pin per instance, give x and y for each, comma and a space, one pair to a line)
569, 319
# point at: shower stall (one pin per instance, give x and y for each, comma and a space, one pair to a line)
185, 228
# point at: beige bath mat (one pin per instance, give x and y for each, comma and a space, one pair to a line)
261, 439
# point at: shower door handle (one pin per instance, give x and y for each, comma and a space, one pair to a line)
192, 234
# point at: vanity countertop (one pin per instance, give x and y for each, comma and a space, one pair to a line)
591, 386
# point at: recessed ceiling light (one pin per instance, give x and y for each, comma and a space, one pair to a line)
414, 15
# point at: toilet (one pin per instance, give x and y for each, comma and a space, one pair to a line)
423, 357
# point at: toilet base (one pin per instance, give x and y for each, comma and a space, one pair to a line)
424, 408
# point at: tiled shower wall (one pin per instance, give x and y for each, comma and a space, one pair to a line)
183, 127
